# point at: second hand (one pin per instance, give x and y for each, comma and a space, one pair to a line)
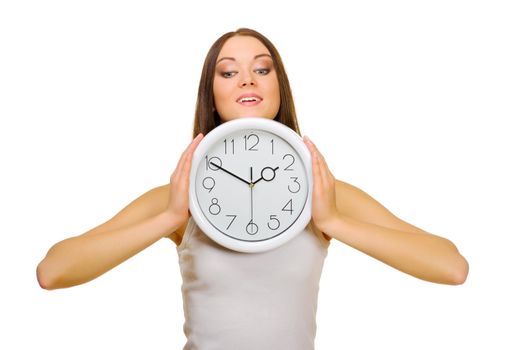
251, 198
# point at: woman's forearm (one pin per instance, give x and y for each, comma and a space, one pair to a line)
80, 259
421, 255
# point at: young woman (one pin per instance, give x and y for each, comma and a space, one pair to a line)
251, 301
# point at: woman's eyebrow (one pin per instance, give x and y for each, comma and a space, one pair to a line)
233, 59
262, 55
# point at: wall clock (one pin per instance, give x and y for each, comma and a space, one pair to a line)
251, 184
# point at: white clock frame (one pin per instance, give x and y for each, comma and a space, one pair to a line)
225, 129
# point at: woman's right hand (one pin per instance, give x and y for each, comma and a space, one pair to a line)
178, 200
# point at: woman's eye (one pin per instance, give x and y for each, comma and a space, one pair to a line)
228, 74
262, 71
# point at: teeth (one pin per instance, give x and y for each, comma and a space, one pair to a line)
247, 99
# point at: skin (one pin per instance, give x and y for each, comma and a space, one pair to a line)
351, 216
245, 66
339, 210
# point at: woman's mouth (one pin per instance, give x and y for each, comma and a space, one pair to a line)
249, 100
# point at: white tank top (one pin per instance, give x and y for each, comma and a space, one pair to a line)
250, 301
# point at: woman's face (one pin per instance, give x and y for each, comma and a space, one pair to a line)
245, 83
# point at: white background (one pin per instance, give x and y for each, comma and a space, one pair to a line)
408, 100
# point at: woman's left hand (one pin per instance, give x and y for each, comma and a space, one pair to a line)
324, 209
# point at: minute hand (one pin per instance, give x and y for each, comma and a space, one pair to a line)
228, 172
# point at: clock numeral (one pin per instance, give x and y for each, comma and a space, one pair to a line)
248, 142
288, 168
288, 207
272, 142
214, 160
214, 208
295, 182
233, 218
252, 228
275, 225
225, 146
208, 183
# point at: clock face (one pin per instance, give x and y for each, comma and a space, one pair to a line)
251, 185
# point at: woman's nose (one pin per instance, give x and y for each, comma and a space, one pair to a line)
246, 80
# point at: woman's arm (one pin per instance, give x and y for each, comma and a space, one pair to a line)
353, 217
80, 259
152, 216
372, 229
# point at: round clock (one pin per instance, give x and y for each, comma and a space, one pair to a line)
250, 184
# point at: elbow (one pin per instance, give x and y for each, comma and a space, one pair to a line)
459, 272
43, 277
457, 267
462, 272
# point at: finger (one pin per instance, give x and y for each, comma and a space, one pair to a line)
184, 171
179, 168
326, 175
191, 151
315, 162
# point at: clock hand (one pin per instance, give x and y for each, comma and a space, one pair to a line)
263, 178
228, 172
251, 198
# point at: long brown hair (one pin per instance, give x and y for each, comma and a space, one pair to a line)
207, 118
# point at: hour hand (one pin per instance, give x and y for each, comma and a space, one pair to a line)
267, 174
228, 172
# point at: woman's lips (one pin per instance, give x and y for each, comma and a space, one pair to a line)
249, 100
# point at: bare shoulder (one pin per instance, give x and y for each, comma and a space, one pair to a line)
354, 202
150, 203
